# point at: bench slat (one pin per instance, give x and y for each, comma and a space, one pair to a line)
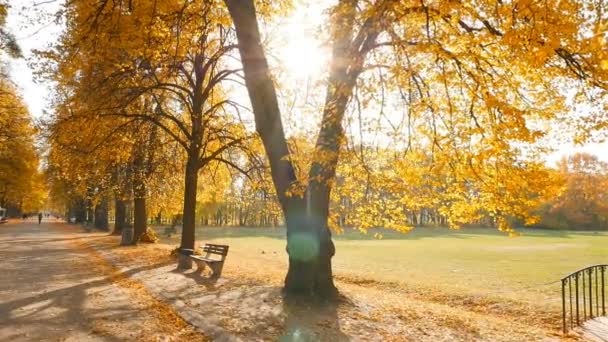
213, 251
216, 249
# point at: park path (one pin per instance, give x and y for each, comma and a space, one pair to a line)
52, 288
596, 329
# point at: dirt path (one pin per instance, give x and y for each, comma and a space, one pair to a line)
53, 288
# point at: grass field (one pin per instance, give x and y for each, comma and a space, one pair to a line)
480, 262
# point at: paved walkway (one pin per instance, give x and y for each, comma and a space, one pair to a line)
51, 290
596, 329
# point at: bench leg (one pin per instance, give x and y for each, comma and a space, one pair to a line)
217, 269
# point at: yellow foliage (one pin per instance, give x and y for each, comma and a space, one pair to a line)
149, 236
463, 89
21, 183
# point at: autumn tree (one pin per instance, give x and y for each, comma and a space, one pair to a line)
583, 203
477, 73
22, 186
80, 165
164, 63
92, 161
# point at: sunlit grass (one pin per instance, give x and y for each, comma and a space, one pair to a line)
479, 262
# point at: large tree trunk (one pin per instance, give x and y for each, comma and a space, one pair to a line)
140, 218
189, 213
101, 214
121, 175
310, 248
79, 210
120, 213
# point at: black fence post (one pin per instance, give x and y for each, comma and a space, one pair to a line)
603, 299
571, 311
576, 297
590, 294
584, 291
564, 304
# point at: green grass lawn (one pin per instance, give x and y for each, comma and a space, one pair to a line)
470, 261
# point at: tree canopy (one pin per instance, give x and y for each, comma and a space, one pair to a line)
22, 185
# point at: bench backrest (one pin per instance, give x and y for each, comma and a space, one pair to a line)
216, 249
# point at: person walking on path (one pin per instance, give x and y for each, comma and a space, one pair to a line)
39, 218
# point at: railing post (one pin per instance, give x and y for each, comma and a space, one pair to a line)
590, 293
576, 297
564, 304
603, 300
584, 292
597, 296
570, 302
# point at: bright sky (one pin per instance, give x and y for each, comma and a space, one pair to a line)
31, 36
301, 53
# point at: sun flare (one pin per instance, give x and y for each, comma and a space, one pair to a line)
302, 51
305, 57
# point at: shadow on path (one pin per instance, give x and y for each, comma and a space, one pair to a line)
52, 290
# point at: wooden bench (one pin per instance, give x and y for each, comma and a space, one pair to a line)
216, 265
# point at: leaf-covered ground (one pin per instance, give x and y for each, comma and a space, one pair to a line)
67, 284
246, 303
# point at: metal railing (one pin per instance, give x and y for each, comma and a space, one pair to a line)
583, 296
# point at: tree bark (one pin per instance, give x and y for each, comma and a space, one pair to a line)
120, 213
140, 218
101, 214
189, 213
80, 210
310, 248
